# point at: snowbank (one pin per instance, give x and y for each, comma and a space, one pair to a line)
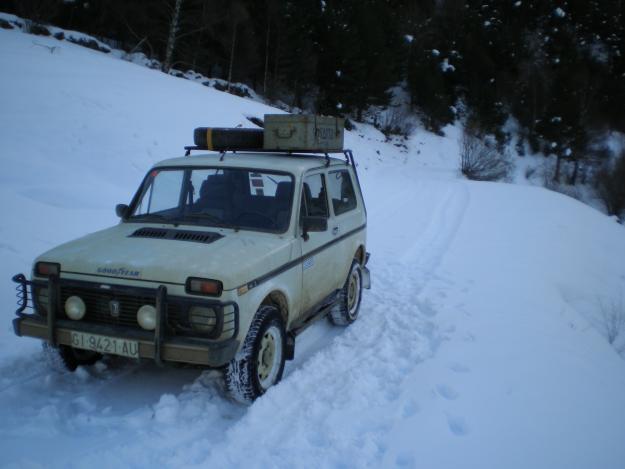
476, 346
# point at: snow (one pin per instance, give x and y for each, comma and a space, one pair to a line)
446, 66
559, 12
480, 344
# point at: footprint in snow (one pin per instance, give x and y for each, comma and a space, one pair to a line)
426, 307
405, 459
457, 425
459, 368
447, 392
410, 408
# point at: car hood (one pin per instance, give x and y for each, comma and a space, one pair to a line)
234, 259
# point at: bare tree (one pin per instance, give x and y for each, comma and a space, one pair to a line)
239, 14
480, 161
171, 39
612, 319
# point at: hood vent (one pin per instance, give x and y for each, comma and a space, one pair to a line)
205, 237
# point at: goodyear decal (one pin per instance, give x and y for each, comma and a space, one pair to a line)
119, 272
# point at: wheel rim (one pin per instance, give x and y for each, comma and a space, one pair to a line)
269, 357
353, 293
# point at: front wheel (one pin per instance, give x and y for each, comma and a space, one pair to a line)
345, 310
260, 362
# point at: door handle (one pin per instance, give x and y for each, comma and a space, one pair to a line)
335, 230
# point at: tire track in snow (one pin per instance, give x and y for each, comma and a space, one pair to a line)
361, 372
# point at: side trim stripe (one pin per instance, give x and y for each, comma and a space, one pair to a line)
289, 265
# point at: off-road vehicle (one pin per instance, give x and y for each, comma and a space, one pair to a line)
220, 260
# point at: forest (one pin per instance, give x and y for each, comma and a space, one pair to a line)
555, 67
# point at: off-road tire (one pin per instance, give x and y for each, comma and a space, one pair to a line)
243, 374
63, 358
347, 305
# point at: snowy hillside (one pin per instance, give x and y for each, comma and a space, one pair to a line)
480, 344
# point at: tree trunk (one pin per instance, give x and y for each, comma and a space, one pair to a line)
573, 179
234, 42
171, 40
556, 176
266, 59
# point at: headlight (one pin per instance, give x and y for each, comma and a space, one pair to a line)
146, 317
75, 308
45, 269
203, 319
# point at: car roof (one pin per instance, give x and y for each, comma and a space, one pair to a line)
296, 164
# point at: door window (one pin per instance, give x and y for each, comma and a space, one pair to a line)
314, 199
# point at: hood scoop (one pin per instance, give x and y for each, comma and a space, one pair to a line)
205, 237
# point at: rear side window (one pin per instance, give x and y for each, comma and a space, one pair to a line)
341, 192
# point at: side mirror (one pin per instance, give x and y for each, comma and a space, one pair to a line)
310, 224
122, 211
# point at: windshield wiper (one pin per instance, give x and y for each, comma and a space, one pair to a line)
205, 216
154, 216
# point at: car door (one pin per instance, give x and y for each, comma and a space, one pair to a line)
347, 217
317, 265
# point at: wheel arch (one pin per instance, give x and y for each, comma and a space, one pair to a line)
360, 255
278, 299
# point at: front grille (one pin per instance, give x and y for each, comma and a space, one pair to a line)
99, 310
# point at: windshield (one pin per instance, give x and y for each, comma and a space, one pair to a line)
226, 197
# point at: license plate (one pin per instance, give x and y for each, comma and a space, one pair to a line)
103, 344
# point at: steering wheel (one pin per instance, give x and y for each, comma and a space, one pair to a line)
258, 215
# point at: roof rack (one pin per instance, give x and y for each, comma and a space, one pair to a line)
349, 156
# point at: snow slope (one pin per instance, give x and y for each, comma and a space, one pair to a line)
479, 345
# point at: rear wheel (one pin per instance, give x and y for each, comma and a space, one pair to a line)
66, 358
260, 362
347, 306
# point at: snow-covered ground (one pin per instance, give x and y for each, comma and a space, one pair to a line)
480, 344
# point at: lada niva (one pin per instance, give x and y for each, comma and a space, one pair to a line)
220, 260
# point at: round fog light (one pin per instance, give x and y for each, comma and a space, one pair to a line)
146, 317
75, 308
202, 319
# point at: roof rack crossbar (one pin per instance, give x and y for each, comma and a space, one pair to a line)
189, 149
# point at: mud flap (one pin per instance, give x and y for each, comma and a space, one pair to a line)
366, 278
289, 353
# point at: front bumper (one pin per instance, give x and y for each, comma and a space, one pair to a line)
160, 345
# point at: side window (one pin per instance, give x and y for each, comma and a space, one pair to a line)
314, 200
341, 192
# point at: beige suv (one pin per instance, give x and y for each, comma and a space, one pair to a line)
220, 260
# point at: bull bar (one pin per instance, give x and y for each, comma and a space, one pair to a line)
159, 345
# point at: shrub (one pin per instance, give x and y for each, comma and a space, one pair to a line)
395, 121
90, 43
480, 161
611, 187
612, 319
5, 24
